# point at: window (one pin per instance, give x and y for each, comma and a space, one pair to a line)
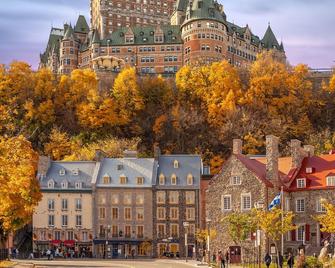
161, 213
174, 213
301, 183
127, 231
70, 235
64, 204
115, 199
115, 213
161, 179
300, 205
174, 231
123, 179
173, 197
235, 180
161, 230
245, 201
102, 199
140, 214
102, 213
301, 233
226, 202
75, 172
173, 179
319, 206
176, 164
106, 179
51, 220
139, 199
64, 220
78, 204
62, 172
190, 198
64, 184
84, 236
331, 181
190, 214
57, 235
51, 184
127, 199
160, 197
51, 204
189, 179
140, 231
140, 180
78, 220
78, 185
115, 231
127, 213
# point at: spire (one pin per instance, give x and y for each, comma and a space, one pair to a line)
269, 40
281, 47
95, 38
69, 33
81, 25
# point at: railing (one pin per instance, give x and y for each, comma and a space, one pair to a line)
3, 254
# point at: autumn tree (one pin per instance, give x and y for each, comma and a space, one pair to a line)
201, 236
19, 191
327, 220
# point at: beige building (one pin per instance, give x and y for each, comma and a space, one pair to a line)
63, 219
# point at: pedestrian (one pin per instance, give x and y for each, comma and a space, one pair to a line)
301, 262
48, 254
17, 253
267, 260
281, 260
133, 253
290, 260
203, 256
222, 258
227, 257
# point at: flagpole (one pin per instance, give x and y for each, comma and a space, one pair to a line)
282, 218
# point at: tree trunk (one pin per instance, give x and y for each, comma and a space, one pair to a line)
275, 242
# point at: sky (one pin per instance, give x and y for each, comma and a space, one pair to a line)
305, 26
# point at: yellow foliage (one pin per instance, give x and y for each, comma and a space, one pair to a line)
327, 220
332, 84
19, 191
216, 164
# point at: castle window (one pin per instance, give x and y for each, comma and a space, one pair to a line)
64, 184
75, 172
106, 179
190, 179
161, 179
173, 179
140, 180
62, 172
301, 183
176, 164
331, 181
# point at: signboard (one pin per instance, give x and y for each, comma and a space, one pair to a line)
258, 238
186, 239
272, 250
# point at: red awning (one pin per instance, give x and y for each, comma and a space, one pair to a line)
56, 243
69, 243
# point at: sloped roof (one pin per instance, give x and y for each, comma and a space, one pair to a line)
69, 34
205, 9
56, 35
269, 40
241, 31
81, 25
181, 5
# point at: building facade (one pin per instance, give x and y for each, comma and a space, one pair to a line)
198, 33
123, 208
176, 204
63, 219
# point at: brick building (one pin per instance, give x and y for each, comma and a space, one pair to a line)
198, 32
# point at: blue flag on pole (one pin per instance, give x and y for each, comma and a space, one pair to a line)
275, 202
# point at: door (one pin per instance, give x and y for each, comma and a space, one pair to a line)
235, 254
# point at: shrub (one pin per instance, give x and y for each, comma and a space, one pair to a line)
313, 262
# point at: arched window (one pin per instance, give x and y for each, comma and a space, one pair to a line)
176, 164
161, 179
190, 179
51, 184
173, 179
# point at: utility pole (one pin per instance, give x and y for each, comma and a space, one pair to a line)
186, 225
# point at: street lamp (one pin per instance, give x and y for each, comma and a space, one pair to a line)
208, 222
108, 40
106, 247
259, 206
186, 225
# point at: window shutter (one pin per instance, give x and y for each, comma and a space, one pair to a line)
307, 232
293, 235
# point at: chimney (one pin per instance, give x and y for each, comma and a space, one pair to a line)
297, 153
272, 155
43, 166
157, 152
237, 146
129, 154
99, 155
309, 149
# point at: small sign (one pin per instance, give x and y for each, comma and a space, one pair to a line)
272, 250
186, 223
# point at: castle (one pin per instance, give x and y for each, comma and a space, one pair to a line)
198, 33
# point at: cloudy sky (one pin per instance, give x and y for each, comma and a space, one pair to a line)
305, 26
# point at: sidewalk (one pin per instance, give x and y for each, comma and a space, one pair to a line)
194, 263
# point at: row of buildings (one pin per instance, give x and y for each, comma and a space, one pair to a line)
118, 207
155, 37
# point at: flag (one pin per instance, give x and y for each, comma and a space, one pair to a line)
275, 201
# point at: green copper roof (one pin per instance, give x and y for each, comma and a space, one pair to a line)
81, 25
269, 40
181, 5
145, 35
241, 31
55, 37
95, 38
205, 9
69, 34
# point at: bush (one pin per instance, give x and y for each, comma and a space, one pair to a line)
313, 262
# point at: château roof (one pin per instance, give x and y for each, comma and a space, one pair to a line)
69, 34
205, 9
181, 5
81, 25
269, 40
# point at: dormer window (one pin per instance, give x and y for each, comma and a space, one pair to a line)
331, 181
51, 184
62, 172
176, 164
309, 170
174, 179
161, 179
235, 180
106, 179
140, 180
78, 185
64, 184
189, 179
75, 172
123, 179
301, 183
119, 167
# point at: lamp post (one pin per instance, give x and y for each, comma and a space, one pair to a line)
208, 222
108, 40
259, 205
106, 249
186, 225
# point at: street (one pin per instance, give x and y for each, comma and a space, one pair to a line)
104, 263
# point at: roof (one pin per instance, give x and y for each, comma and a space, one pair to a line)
81, 25
241, 31
56, 35
187, 164
144, 35
85, 174
205, 9
269, 40
322, 167
131, 168
284, 164
69, 33
181, 5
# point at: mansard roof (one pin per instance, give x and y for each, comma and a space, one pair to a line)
145, 35
181, 5
205, 9
69, 34
240, 31
56, 35
269, 40
81, 25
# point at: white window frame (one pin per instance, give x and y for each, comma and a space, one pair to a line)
51, 220
161, 179
319, 207
190, 179
175, 164
140, 180
51, 204
331, 181
300, 227
163, 197
51, 184
79, 204
223, 197
298, 209
64, 184
301, 183
79, 185
62, 172
79, 220
242, 203
235, 180
75, 172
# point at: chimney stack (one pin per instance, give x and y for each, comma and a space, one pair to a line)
157, 152
43, 166
237, 146
309, 149
297, 153
272, 156
99, 155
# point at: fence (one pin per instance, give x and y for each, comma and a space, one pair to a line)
3, 254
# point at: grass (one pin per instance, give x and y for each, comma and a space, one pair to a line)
7, 263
